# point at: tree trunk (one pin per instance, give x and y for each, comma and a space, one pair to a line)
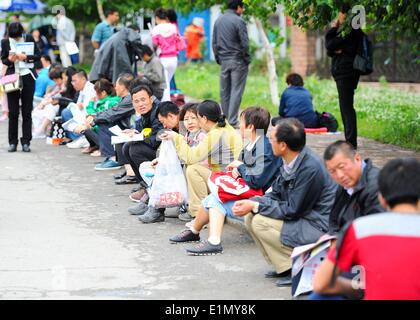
81, 47
100, 9
271, 64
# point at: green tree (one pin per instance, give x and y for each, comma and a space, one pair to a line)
381, 15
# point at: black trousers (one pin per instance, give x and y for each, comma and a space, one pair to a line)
136, 153
92, 137
345, 88
26, 96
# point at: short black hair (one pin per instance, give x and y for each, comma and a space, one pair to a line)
46, 57
345, 8
15, 30
110, 11
139, 81
125, 79
399, 181
188, 107
139, 88
339, 146
233, 4
161, 13
292, 132
294, 79
172, 16
134, 27
167, 107
146, 50
81, 73
258, 117
16, 15
55, 73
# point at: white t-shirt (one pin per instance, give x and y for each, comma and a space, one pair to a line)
86, 94
21, 71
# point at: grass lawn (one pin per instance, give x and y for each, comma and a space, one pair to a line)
383, 114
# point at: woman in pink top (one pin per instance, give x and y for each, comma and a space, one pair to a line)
166, 37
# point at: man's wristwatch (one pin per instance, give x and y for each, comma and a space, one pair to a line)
256, 207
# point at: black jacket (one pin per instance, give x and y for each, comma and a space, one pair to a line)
230, 38
362, 202
342, 63
302, 199
119, 114
5, 49
151, 120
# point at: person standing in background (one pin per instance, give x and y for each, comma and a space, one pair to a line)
104, 30
167, 40
3, 97
231, 50
21, 99
173, 18
343, 50
66, 32
15, 18
194, 35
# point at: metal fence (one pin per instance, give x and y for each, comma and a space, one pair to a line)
394, 58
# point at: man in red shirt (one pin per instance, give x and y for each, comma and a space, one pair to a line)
384, 248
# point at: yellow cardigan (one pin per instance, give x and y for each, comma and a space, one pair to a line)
221, 146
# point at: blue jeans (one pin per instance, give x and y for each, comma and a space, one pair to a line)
66, 115
105, 145
173, 84
211, 202
317, 296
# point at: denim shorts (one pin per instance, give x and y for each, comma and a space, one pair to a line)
211, 202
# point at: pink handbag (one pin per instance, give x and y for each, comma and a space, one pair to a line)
10, 83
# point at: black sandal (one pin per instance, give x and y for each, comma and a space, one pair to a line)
120, 175
127, 180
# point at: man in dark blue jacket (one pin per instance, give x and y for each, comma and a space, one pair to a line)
296, 102
296, 212
257, 165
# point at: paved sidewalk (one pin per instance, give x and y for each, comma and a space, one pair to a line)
65, 233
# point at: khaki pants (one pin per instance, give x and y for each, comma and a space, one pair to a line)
197, 176
266, 234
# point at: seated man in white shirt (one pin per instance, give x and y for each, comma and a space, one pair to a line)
77, 111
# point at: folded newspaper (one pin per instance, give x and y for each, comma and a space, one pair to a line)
306, 260
121, 137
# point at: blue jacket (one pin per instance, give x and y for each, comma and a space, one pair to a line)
303, 199
296, 102
42, 83
261, 166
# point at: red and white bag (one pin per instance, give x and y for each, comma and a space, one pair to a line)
227, 188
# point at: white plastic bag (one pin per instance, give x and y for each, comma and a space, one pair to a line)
169, 188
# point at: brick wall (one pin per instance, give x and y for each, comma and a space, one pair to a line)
302, 52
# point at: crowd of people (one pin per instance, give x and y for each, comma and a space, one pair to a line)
297, 199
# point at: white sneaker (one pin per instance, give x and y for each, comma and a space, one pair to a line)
37, 135
78, 143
